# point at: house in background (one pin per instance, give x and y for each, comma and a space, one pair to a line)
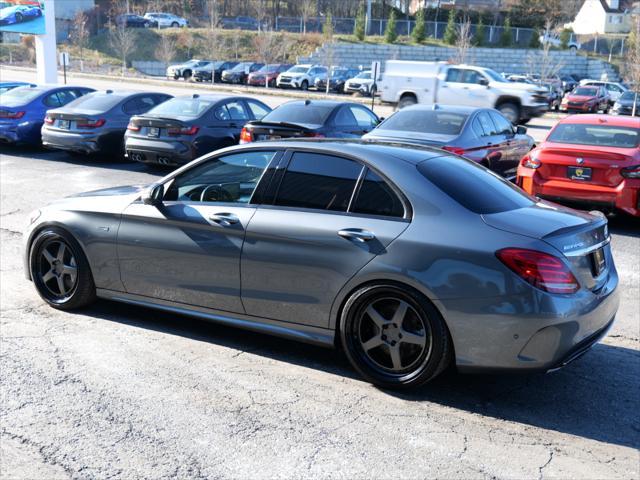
416, 5
603, 16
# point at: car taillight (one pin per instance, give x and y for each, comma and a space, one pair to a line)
183, 131
631, 172
48, 120
133, 127
455, 150
541, 270
91, 123
313, 135
14, 115
531, 161
246, 136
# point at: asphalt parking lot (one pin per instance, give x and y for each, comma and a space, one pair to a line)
120, 391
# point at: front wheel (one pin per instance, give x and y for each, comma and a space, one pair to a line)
186, 75
304, 85
510, 111
394, 336
60, 271
175, 25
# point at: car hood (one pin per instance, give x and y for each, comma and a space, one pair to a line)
109, 200
579, 98
293, 75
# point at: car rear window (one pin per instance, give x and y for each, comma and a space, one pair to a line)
598, 135
299, 113
426, 121
472, 186
19, 96
98, 101
184, 107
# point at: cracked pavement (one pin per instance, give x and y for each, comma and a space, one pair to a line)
117, 391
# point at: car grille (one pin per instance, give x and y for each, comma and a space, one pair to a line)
541, 97
354, 85
575, 104
285, 79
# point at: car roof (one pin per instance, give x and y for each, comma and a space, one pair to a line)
367, 149
599, 119
326, 103
214, 97
445, 108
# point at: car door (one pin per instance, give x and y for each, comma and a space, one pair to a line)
312, 234
187, 249
495, 144
457, 88
511, 146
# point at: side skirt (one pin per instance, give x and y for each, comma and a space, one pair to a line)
302, 333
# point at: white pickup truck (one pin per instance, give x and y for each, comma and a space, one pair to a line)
408, 82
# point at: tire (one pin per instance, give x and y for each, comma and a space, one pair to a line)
175, 25
304, 85
407, 101
377, 345
272, 83
19, 18
186, 75
511, 111
65, 287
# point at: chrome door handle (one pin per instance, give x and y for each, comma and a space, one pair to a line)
356, 235
224, 219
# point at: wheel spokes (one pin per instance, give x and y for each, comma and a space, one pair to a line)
61, 249
400, 313
375, 317
48, 276
372, 343
47, 256
72, 271
415, 339
396, 358
62, 289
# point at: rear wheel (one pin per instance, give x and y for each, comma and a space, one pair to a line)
511, 111
60, 271
407, 100
175, 24
186, 74
394, 336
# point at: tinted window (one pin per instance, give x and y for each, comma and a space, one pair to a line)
52, 100
318, 181
98, 101
19, 96
364, 117
487, 124
425, 121
188, 107
601, 135
257, 109
377, 198
66, 96
471, 76
472, 186
236, 111
139, 105
454, 75
502, 124
344, 118
299, 113
477, 128
231, 178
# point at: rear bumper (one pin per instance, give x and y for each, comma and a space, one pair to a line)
624, 197
72, 142
158, 152
19, 133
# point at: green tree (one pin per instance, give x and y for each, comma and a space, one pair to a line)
450, 33
535, 39
390, 35
506, 37
478, 37
565, 37
419, 33
359, 26
327, 28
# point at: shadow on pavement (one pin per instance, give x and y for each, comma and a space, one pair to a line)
624, 225
596, 397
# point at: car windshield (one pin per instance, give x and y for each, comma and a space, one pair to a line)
240, 67
182, 107
218, 64
299, 113
493, 75
597, 135
19, 96
425, 121
269, 68
364, 75
97, 101
298, 69
587, 92
472, 186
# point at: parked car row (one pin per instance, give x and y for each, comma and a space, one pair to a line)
151, 20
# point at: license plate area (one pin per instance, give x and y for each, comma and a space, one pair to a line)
64, 124
598, 262
153, 132
582, 174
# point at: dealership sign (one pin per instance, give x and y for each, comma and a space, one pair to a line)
22, 16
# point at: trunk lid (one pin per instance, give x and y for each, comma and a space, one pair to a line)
603, 165
581, 238
276, 130
156, 127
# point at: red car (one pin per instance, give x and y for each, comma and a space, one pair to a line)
268, 73
589, 160
586, 99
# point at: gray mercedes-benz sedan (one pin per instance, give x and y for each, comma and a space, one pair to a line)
408, 258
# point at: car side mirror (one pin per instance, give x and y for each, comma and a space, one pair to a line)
521, 130
153, 195
483, 81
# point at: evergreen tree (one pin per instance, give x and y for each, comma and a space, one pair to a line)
360, 25
419, 33
535, 39
450, 34
390, 35
506, 37
478, 37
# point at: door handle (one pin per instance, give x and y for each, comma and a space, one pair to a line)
356, 235
224, 219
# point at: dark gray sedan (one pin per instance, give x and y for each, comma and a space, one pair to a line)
96, 122
410, 259
187, 127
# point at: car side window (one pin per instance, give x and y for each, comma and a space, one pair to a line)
52, 100
477, 128
236, 111
66, 96
376, 197
487, 124
454, 75
344, 118
257, 109
364, 117
502, 124
470, 76
227, 179
132, 106
318, 181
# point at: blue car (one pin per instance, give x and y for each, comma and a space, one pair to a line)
19, 14
22, 110
6, 86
